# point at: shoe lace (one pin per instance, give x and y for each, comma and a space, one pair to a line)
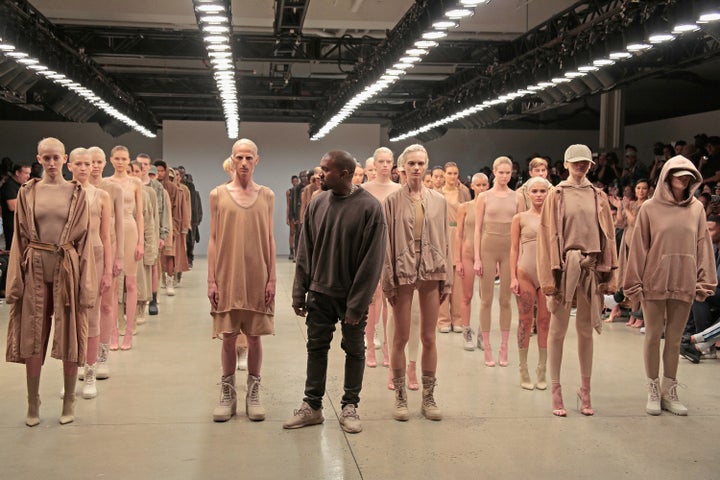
254, 393
672, 394
467, 334
227, 390
349, 412
304, 411
400, 396
103, 355
429, 397
654, 390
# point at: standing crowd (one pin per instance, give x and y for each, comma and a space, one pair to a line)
377, 244
87, 254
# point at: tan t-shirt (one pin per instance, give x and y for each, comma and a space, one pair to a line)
580, 227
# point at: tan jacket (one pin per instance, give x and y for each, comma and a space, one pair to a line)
400, 265
670, 255
551, 245
74, 290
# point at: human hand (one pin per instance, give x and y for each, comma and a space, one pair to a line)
515, 286
460, 270
213, 295
269, 293
300, 310
478, 267
105, 282
118, 267
139, 252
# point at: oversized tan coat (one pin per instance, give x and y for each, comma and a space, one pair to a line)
74, 290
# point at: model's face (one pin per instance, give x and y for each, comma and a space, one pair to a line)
438, 178
295, 181
80, 165
121, 161
427, 180
244, 160
144, 164
383, 164
415, 165
330, 176
370, 170
714, 230
540, 171
537, 194
641, 191
679, 183
304, 178
578, 169
98, 163
23, 175
480, 185
503, 173
51, 156
358, 176
136, 170
162, 171
451, 175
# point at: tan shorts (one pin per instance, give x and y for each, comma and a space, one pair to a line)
243, 321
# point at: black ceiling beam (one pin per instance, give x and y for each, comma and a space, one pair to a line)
568, 38
400, 38
24, 26
290, 16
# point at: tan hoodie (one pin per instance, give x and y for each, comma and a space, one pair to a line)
671, 256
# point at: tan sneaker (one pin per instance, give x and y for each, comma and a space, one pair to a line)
304, 417
350, 420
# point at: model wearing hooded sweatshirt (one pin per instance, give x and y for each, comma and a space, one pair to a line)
670, 263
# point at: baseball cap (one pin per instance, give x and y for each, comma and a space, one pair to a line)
578, 153
681, 173
153, 170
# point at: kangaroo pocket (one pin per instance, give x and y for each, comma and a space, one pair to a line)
434, 261
673, 273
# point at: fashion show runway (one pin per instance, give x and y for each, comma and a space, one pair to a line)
153, 418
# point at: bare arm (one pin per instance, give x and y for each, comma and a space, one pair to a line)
117, 198
479, 216
272, 281
213, 294
12, 204
140, 248
514, 253
105, 225
459, 235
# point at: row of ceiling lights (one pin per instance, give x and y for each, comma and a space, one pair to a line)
630, 50
214, 22
411, 57
9, 50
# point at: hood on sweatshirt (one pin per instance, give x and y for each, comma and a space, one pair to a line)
663, 192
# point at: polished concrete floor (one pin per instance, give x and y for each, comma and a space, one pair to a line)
152, 419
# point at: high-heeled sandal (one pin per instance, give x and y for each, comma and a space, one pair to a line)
557, 401
583, 401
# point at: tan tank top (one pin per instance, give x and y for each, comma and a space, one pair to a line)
500, 209
94, 214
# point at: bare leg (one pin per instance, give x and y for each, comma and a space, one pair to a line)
401, 331
130, 307
227, 354
429, 300
255, 354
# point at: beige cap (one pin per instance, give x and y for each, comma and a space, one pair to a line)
681, 173
578, 153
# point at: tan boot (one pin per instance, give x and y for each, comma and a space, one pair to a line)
669, 400
525, 381
140, 314
401, 412
227, 407
253, 408
68, 410
33, 413
541, 368
429, 408
652, 407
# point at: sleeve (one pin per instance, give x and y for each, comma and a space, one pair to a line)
303, 257
370, 262
547, 241
162, 213
88, 286
149, 218
637, 257
15, 276
389, 285
706, 270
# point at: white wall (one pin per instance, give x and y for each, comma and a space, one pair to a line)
284, 150
18, 140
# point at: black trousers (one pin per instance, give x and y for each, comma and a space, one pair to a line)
323, 313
